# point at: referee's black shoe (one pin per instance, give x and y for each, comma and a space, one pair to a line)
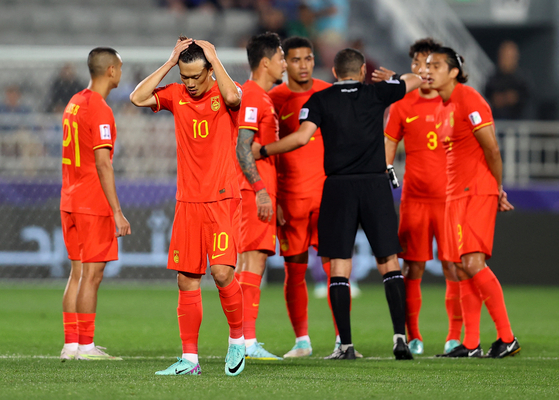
500, 349
463, 352
401, 350
339, 354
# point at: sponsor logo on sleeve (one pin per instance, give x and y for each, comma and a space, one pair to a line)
105, 131
251, 114
304, 113
475, 118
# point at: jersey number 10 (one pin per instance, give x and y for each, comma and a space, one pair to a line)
200, 129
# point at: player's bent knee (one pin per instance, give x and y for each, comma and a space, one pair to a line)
223, 274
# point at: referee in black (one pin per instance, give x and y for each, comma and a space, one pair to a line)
357, 189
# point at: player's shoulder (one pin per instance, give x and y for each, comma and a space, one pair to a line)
279, 93
319, 84
468, 97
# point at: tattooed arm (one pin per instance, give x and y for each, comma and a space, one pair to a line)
248, 166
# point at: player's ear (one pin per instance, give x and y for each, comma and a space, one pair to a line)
265, 62
363, 72
454, 73
334, 73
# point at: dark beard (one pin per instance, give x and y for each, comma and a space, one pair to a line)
302, 82
278, 82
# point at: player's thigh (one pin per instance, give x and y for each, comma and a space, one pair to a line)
96, 235
256, 234
186, 250
378, 216
338, 219
479, 225
222, 230
295, 234
70, 235
415, 231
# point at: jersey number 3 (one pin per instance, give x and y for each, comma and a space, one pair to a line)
432, 142
66, 142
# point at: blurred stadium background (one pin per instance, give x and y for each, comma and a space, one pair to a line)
44, 46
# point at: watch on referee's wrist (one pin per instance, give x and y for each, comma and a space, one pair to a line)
263, 152
395, 77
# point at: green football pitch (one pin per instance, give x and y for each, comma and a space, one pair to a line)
138, 322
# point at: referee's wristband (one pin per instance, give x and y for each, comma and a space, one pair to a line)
258, 186
263, 152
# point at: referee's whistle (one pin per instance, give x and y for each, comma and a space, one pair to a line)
392, 176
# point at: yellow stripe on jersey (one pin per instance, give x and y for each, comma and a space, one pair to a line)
482, 126
252, 128
103, 145
158, 103
391, 138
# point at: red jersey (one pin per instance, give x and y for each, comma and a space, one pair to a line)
258, 114
413, 119
206, 133
300, 172
458, 119
88, 124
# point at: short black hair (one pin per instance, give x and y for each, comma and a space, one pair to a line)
347, 62
193, 53
296, 42
454, 60
260, 46
99, 59
425, 45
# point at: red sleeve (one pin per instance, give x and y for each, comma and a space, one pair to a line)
393, 129
164, 96
102, 123
250, 114
478, 113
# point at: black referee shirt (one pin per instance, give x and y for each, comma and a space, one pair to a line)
350, 115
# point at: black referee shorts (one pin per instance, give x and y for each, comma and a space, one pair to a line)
350, 200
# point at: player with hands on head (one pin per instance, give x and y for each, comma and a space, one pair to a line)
207, 213
474, 194
258, 122
423, 197
91, 216
356, 190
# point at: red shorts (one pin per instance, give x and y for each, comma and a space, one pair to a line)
419, 223
256, 234
300, 229
89, 238
203, 231
470, 225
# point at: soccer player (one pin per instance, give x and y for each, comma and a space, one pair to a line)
474, 195
207, 213
258, 122
356, 190
300, 181
423, 197
89, 206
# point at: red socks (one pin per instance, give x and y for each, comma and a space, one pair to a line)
297, 297
231, 297
413, 306
492, 294
189, 313
326, 267
453, 310
86, 328
470, 301
70, 323
250, 284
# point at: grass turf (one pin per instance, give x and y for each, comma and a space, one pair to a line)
138, 322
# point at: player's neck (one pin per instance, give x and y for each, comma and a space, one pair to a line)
100, 86
262, 79
446, 91
427, 93
295, 86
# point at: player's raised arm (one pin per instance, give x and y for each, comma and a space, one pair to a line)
413, 81
488, 142
227, 87
107, 179
289, 143
143, 96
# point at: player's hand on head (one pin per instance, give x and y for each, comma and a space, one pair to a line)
279, 215
180, 46
264, 206
504, 203
255, 148
122, 225
382, 74
209, 50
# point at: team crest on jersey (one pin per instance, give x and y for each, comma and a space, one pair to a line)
284, 244
451, 120
216, 105
176, 256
